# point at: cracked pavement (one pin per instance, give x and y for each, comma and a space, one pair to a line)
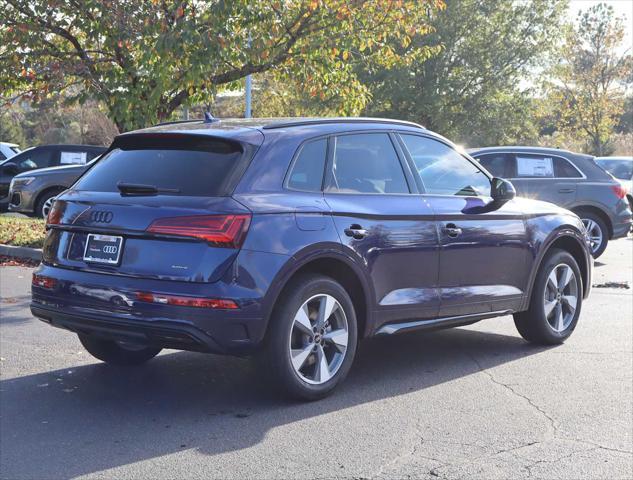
474, 402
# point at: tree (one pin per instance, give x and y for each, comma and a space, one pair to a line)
143, 59
588, 87
474, 90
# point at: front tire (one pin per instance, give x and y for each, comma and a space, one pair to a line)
555, 303
118, 353
312, 338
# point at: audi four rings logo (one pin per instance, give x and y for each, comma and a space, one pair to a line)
112, 249
100, 216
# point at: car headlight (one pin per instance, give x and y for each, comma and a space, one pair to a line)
20, 182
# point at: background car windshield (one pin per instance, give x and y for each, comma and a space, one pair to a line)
443, 170
190, 172
621, 169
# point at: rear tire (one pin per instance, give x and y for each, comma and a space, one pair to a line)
598, 231
117, 353
311, 342
555, 303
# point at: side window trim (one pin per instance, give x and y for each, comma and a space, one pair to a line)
296, 155
330, 181
423, 191
517, 177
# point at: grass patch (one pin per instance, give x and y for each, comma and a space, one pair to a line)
22, 232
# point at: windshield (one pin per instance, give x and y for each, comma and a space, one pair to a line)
620, 169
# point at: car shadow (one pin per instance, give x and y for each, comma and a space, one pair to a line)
70, 422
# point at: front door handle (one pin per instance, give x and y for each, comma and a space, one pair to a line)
356, 231
452, 230
567, 190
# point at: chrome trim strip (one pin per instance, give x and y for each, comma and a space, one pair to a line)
391, 328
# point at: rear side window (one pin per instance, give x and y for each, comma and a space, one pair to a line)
564, 169
188, 168
367, 163
535, 166
307, 171
36, 158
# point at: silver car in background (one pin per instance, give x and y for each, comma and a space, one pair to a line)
33, 193
622, 169
570, 180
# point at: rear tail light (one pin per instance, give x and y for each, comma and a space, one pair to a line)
215, 303
43, 282
619, 190
220, 230
54, 215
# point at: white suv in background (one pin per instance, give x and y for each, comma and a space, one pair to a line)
7, 150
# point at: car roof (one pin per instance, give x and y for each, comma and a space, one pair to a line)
628, 159
525, 148
235, 127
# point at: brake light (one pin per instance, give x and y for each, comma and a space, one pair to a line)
215, 303
43, 282
619, 190
54, 215
220, 230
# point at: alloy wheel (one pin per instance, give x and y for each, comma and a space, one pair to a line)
318, 339
48, 204
595, 233
560, 297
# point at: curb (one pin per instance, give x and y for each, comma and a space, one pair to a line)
21, 252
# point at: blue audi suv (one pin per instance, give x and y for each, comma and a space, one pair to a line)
292, 239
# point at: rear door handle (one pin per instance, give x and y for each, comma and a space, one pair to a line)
567, 190
356, 231
452, 230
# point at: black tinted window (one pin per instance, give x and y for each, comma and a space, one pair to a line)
194, 172
37, 158
307, 170
564, 169
367, 163
443, 170
499, 164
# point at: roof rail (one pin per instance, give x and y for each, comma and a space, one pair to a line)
315, 121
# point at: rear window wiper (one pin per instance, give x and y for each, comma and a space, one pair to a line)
141, 189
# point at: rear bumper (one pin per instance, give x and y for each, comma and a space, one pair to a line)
108, 306
164, 334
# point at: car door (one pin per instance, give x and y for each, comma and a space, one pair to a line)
483, 246
384, 223
546, 177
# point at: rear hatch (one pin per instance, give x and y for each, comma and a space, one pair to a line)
155, 206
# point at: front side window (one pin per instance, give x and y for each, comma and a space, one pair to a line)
443, 170
307, 170
367, 163
31, 159
498, 164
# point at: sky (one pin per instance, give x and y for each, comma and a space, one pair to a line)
622, 8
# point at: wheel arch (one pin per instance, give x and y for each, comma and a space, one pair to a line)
339, 267
568, 241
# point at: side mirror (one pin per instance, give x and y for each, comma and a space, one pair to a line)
11, 168
502, 190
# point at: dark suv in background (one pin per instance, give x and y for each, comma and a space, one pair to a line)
570, 180
293, 239
42, 157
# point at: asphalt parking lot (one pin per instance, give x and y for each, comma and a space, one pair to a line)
473, 402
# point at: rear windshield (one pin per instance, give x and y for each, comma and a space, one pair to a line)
189, 168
